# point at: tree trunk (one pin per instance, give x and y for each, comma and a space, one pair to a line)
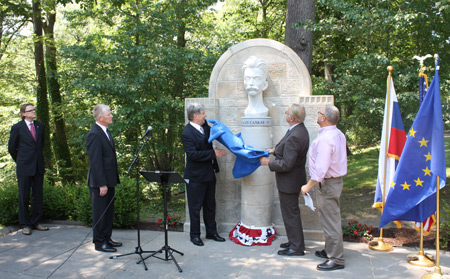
60, 146
41, 94
299, 39
327, 66
2, 18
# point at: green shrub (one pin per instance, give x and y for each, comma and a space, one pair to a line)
125, 208
71, 202
60, 201
54, 202
83, 209
444, 232
9, 203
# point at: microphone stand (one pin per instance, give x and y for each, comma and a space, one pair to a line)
138, 250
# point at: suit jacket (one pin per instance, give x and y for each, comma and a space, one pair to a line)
290, 158
102, 159
201, 162
26, 152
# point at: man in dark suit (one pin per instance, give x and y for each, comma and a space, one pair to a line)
201, 166
26, 144
289, 166
103, 176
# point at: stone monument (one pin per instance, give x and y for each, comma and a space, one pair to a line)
255, 226
243, 109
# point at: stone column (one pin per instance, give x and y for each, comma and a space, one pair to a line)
256, 226
257, 188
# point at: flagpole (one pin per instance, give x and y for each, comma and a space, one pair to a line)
380, 245
437, 269
437, 274
421, 259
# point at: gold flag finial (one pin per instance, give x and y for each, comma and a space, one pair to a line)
390, 69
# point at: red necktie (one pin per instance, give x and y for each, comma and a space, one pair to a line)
33, 132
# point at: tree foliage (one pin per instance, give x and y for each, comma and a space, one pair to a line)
357, 40
144, 57
138, 58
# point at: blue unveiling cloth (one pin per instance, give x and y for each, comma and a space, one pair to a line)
247, 157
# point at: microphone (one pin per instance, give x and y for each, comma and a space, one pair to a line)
149, 128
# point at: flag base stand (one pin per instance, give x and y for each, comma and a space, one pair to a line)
380, 246
420, 259
437, 274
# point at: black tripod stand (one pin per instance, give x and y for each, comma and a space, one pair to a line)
164, 177
138, 249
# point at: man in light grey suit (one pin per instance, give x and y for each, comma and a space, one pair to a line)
289, 166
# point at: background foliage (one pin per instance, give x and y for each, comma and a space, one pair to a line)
72, 202
144, 57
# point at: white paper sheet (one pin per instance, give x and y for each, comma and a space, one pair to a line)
309, 202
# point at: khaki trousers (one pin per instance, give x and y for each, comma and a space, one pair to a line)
328, 195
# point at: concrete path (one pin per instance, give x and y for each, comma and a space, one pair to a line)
40, 255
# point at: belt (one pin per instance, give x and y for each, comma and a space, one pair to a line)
320, 183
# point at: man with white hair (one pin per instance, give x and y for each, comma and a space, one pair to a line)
288, 164
103, 176
201, 168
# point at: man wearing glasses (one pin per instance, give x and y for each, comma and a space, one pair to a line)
327, 165
26, 144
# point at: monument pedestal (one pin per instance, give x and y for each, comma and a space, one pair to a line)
256, 227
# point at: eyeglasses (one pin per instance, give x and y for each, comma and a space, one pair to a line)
320, 113
30, 110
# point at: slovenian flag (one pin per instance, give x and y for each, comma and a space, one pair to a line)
394, 131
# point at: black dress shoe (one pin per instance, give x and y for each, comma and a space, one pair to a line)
114, 243
329, 265
215, 237
321, 254
105, 248
285, 245
197, 241
290, 252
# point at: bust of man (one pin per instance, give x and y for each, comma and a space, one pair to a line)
255, 82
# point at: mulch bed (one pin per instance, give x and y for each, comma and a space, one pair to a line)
407, 237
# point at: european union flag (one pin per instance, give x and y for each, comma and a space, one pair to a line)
247, 157
413, 191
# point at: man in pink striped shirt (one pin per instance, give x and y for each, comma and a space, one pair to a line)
327, 166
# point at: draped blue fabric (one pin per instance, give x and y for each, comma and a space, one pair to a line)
247, 157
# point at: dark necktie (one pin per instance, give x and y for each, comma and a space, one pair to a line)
109, 135
33, 132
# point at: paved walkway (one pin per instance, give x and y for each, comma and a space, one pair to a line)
39, 255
